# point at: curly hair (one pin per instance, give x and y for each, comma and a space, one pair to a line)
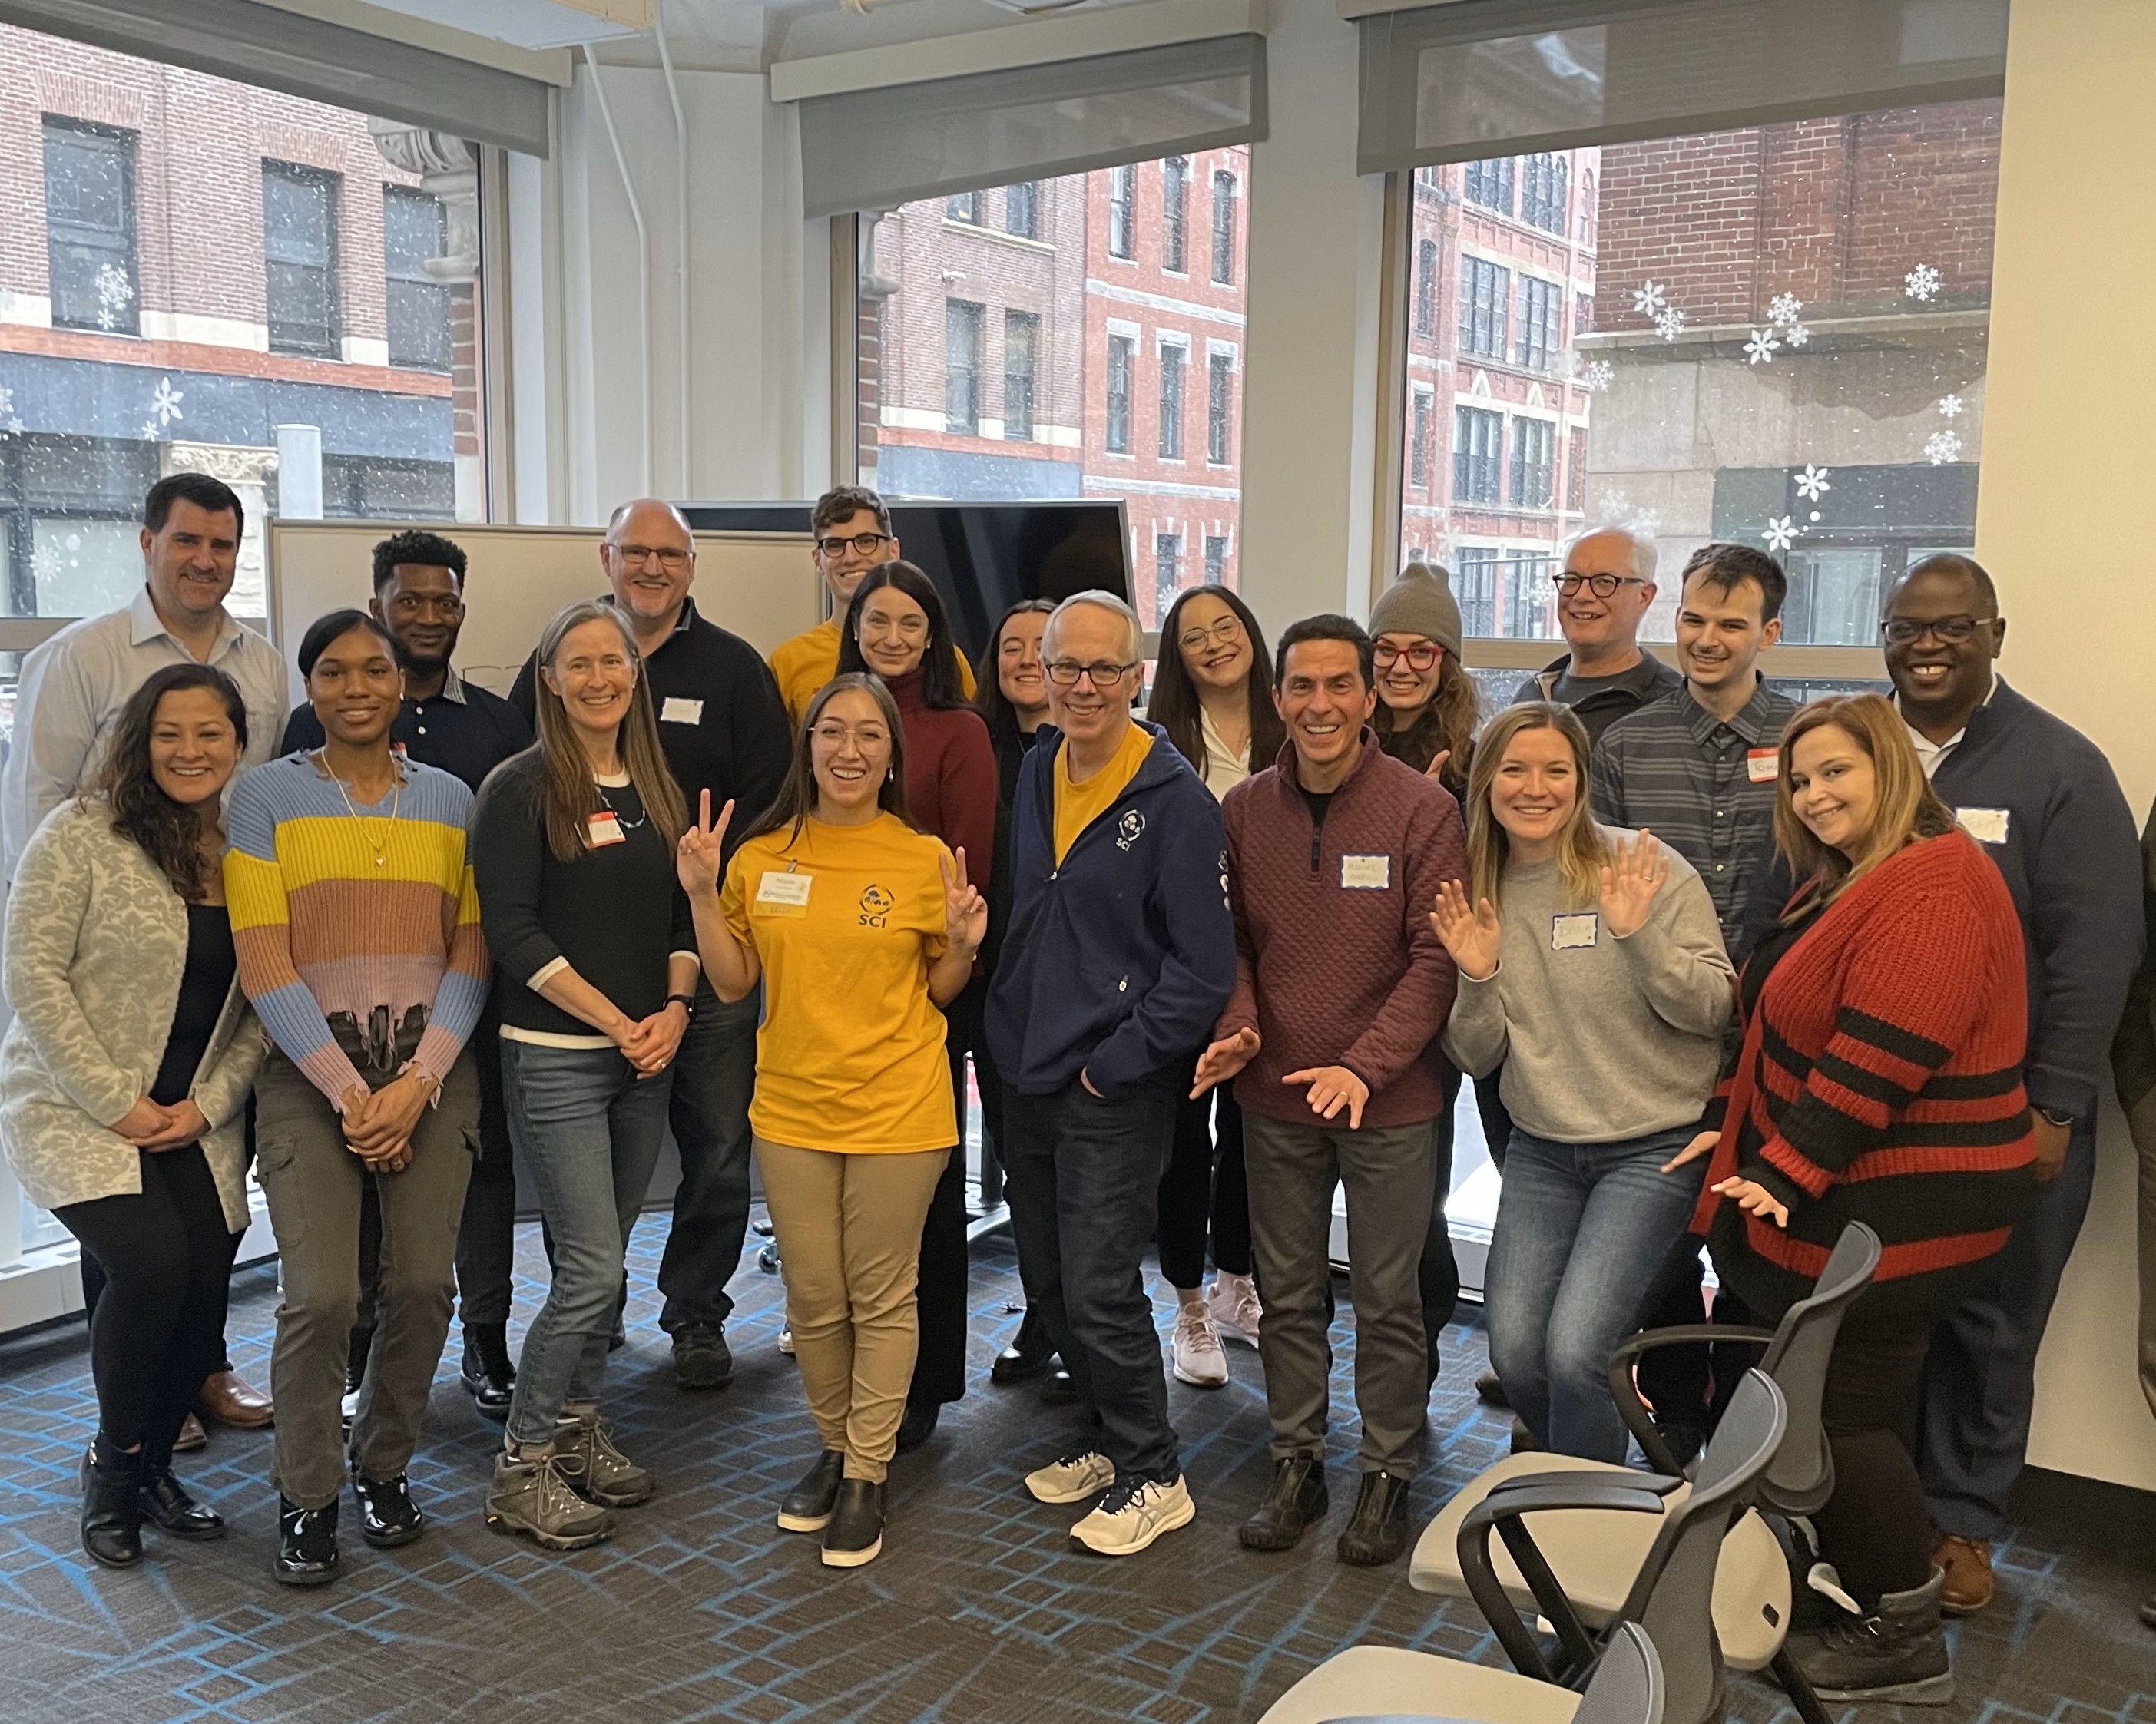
169, 832
429, 550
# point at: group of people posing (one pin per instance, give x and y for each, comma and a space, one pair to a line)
1717, 968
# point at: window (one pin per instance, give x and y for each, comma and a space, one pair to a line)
965, 206
1583, 314
1528, 592
961, 366
1477, 438
415, 228
89, 226
1174, 213
1022, 209
1483, 287
1223, 227
1426, 288
299, 258
1167, 572
1021, 337
1220, 409
1216, 559
1174, 360
1119, 223
1544, 180
1575, 469
1489, 184
1533, 442
1419, 442
1476, 566
1540, 339
1122, 353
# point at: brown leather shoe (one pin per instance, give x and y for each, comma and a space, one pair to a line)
1967, 1564
191, 1436
227, 1399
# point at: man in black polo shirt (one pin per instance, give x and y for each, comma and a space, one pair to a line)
1604, 591
461, 728
724, 730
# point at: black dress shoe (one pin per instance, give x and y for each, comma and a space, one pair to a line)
388, 1516
1490, 1391
854, 1534
163, 1501
1057, 1389
306, 1544
1027, 1358
111, 1511
488, 1376
1379, 1533
701, 1358
918, 1426
1297, 1500
806, 1507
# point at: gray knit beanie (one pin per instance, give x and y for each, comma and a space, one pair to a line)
1420, 603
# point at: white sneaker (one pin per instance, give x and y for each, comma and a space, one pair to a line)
348, 1408
1133, 1514
1235, 1308
1071, 1478
786, 1340
1200, 1361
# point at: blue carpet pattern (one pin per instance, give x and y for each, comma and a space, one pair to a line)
978, 1613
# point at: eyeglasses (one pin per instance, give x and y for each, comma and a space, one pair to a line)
1065, 673
1906, 631
1418, 658
445, 605
671, 559
1601, 586
834, 736
1224, 633
865, 543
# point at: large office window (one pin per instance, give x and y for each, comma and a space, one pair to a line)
1534, 443
1022, 209
962, 366
1174, 361
1478, 441
1483, 289
1122, 218
90, 226
1021, 346
1225, 246
1174, 214
1220, 409
1539, 334
299, 258
415, 228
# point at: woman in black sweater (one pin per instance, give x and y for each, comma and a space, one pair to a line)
574, 845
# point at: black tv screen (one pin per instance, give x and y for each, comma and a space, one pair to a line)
983, 557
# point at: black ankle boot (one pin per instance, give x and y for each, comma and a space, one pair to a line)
1379, 1533
306, 1543
1296, 1501
488, 1376
855, 1533
164, 1502
806, 1507
111, 1519
1898, 1654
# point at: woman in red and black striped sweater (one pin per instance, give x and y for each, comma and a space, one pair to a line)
1880, 1081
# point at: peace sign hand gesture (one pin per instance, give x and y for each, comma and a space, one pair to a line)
696, 858
965, 910
1628, 889
1470, 935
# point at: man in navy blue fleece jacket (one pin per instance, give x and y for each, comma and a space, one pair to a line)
1119, 954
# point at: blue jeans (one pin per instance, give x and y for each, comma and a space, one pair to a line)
589, 1130
1583, 1231
714, 1073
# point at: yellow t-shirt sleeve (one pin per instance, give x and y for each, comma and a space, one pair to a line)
733, 896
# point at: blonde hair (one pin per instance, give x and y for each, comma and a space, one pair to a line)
1582, 850
569, 797
1906, 807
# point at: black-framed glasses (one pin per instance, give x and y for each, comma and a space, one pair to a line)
668, 557
1065, 673
1224, 633
1906, 631
1422, 656
865, 543
1601, 586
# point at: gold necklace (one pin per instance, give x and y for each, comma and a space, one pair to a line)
381, 849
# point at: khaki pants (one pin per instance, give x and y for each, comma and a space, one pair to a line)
849, 1232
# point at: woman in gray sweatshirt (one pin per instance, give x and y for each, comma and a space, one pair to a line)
1591, 968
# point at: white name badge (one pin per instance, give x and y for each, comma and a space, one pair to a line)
1761, 764
604, 829
783, 894
1366, 874
1569, 933
678, 710
1987, 826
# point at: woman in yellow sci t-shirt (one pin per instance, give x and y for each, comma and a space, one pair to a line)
860, 927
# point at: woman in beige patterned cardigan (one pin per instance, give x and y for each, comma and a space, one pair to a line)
124, 1075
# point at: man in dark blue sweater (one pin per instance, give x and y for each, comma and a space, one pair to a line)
1120, 955
2042, 801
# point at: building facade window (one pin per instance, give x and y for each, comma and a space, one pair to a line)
961, 366
1478, 438
1575, 469
1223, 227
1489, 184
1426, 288
299, 258
1545, 181
1220, 409
1173, 359
1174, 214
1475, 567
1022, 209
963, 206
1122, 360
1539, 335
1419, 431
1121, 228
1534, 442
1021, 341
89, 226
1216, 559
1527, 593
414, 227
1167, 572
1484, 288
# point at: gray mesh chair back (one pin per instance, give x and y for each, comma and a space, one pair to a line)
1801, 1478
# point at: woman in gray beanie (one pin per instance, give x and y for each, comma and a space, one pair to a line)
1426, 699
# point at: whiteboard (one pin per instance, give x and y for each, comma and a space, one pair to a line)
760, 585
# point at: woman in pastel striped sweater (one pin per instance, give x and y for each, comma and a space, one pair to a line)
355, 924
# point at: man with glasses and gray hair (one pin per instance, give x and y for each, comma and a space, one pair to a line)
1120, 955
1603, 592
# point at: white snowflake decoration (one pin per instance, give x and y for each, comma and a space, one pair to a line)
1782, 310
1942, 447
165, 403
1796, 335
1648, 299
1812, 481
1600, 373
148, 434
1762, 347
1950, 407
1780, 532
1923, 283
1669, 323
45, 565
115, 293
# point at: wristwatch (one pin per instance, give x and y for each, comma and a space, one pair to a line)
2064, 1121
686, 1002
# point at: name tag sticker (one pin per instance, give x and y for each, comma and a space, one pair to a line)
1761, 764
1987, 826
1569, 933
783, 894
679, 710
605, 828
1366, 874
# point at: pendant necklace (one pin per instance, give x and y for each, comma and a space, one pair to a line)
381, 847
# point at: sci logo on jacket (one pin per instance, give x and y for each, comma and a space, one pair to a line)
1130, 828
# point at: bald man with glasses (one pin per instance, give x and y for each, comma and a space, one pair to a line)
1603, 593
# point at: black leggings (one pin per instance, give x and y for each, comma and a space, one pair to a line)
1203, 1185
166, 1255
1875, 1529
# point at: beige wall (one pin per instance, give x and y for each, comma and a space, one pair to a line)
2069, 466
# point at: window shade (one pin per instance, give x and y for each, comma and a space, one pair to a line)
1483, 78
305, 57
876, 149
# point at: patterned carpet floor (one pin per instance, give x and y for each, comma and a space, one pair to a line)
978, 1613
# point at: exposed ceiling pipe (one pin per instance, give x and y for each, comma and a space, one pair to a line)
643, 252
683, 353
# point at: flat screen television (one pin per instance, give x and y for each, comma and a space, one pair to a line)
983, 557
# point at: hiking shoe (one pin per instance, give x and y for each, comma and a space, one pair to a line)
701, 1358
1967, 1564
1379, 1533
1132, 1514
528, 1494
1071, 1478
1297, 1499
1897, 1655
593, 1468
1199, 1359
